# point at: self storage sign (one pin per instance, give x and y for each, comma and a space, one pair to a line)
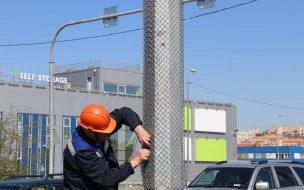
40, 78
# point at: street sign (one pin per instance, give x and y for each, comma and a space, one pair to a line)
112, 21
205, 4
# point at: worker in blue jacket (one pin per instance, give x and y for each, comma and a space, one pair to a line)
89, 160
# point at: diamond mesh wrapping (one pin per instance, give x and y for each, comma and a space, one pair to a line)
163, 94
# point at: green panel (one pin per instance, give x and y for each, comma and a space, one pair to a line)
211, 150
186, 118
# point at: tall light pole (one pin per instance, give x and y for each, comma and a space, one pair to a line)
289, 134
51, 69
277, 144
188, 123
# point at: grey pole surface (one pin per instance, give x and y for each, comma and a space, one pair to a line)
51, 64
288, 135
188, 123
163, 94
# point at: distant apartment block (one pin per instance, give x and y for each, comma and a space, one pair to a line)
274, 136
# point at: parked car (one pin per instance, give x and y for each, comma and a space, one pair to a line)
264, 174
48, 182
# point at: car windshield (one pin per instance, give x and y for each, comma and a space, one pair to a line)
9, 187
231, 177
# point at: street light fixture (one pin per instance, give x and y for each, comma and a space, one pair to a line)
188, 123
289, 133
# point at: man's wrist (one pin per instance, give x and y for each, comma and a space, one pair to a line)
134, 163
138, 128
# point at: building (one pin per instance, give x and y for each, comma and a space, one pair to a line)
271, 153
212, 125
275, 136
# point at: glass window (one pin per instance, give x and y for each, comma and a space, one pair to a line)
58, 187
30, 124
77, 122
66, 122
66, 130
122, 89
300, 172
20, 123
285, 176
29, 159
37, 187
132, 90
265, 175
15, 187
47, 126
110, 87
39, 130
231, 177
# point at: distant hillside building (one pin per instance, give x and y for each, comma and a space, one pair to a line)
275, 136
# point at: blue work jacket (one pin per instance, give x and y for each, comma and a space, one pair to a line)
90, 166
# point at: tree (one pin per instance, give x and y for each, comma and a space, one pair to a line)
12, 142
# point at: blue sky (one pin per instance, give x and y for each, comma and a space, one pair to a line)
253, 51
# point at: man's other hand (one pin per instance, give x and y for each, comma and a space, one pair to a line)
143, 136
141, 155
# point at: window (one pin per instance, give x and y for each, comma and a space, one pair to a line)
231, 177
30, 125
260, 155
37, 187
48, 126
109, 87
265, 175
39, 133
66, 129
89, 83
77, 122
120, 88
20, 123
123, 144
132, 90
29, 159
285, 176
300, 172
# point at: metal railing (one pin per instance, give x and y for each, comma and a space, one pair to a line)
98, 63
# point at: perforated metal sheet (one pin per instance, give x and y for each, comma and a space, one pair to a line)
163, 93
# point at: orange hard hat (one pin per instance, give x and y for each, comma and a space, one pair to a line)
97, 118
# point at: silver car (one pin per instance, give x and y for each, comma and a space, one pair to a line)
265, 174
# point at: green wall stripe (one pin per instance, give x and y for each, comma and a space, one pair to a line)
186, 118
211, 150
15, 75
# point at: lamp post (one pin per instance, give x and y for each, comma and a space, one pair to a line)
289, 133
277, 144
51, 69
188, 123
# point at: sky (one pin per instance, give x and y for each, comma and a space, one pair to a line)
251, 55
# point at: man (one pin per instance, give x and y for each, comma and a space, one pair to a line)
89, 160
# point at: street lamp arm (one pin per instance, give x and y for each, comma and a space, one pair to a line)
88, 20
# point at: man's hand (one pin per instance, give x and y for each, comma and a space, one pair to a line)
143, 136
141, 155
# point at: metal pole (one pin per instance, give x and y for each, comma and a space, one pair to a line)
188, 108
289, 139
51, 64
277, 145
